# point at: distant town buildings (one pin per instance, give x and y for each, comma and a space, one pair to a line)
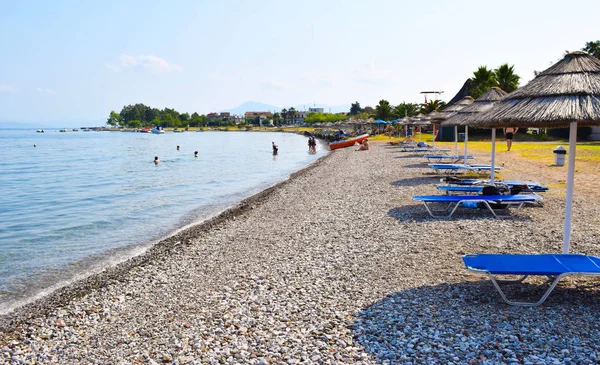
262, 115
265, 117
224, 116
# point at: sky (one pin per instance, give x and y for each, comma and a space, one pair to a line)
72, 62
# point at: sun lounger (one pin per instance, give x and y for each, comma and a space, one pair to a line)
528, 186
554, 267
449, 189
452, 202
450, 168
441, 158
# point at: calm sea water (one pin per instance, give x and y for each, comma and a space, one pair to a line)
82, 200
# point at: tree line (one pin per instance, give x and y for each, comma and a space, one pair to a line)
140, 115
504, 77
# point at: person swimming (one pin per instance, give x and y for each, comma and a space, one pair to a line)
156, 160
195, 153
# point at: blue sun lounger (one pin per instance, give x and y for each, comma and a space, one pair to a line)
531, 186
441, 158
452, 202
554, 267
449, 189
453, 167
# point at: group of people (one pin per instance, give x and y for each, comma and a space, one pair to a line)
157, 161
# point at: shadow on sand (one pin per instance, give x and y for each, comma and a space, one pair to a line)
468, 323
416, 181
418, 213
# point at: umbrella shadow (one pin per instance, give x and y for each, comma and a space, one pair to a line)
469, 319
408, 155
417, 165
415, 181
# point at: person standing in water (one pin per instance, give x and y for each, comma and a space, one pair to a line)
156, 160
195, 153
177, 148
275, 148
509, 133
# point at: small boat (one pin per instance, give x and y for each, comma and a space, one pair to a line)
40, 131
75, 130
347, 142
158, 130
145, 130
177, 131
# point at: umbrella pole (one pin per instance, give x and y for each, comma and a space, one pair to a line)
456, 139
570, 180
433, 142
493, 155
466, 141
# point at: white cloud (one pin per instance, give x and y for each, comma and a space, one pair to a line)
272, 85
150, 63
42, 90
7, 89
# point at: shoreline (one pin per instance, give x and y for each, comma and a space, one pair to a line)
81, 287
336, 265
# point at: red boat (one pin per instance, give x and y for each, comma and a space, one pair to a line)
348, 142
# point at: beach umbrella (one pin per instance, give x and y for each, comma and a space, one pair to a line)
463, 117
450, 111
565, 94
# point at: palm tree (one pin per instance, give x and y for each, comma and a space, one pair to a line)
383, 110
506, 78
284, 114
592, 48
405, 110
483, 80
432, 105
291, 113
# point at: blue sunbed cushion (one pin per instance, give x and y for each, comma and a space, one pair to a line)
448, 166
466, 188
489, 198
542, 264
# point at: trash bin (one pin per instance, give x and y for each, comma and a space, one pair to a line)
559, 155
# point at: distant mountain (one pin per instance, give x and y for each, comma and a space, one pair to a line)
252, 106
255, 106
326, 108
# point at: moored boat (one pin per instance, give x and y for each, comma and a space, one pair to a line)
158, 130
348, 142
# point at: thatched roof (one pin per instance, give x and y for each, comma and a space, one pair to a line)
452, 109
568, 91
482, 104
465, 90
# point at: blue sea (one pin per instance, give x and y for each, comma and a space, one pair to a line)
79, 201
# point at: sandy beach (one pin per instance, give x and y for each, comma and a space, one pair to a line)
336, 265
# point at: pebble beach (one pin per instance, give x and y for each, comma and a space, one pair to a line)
336, 265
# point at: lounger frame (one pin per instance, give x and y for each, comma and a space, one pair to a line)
553, 280
453, 206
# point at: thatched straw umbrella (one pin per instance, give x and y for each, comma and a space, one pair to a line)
480, 105
567, 93
450, 111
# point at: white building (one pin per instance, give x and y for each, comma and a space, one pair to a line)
316, 110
